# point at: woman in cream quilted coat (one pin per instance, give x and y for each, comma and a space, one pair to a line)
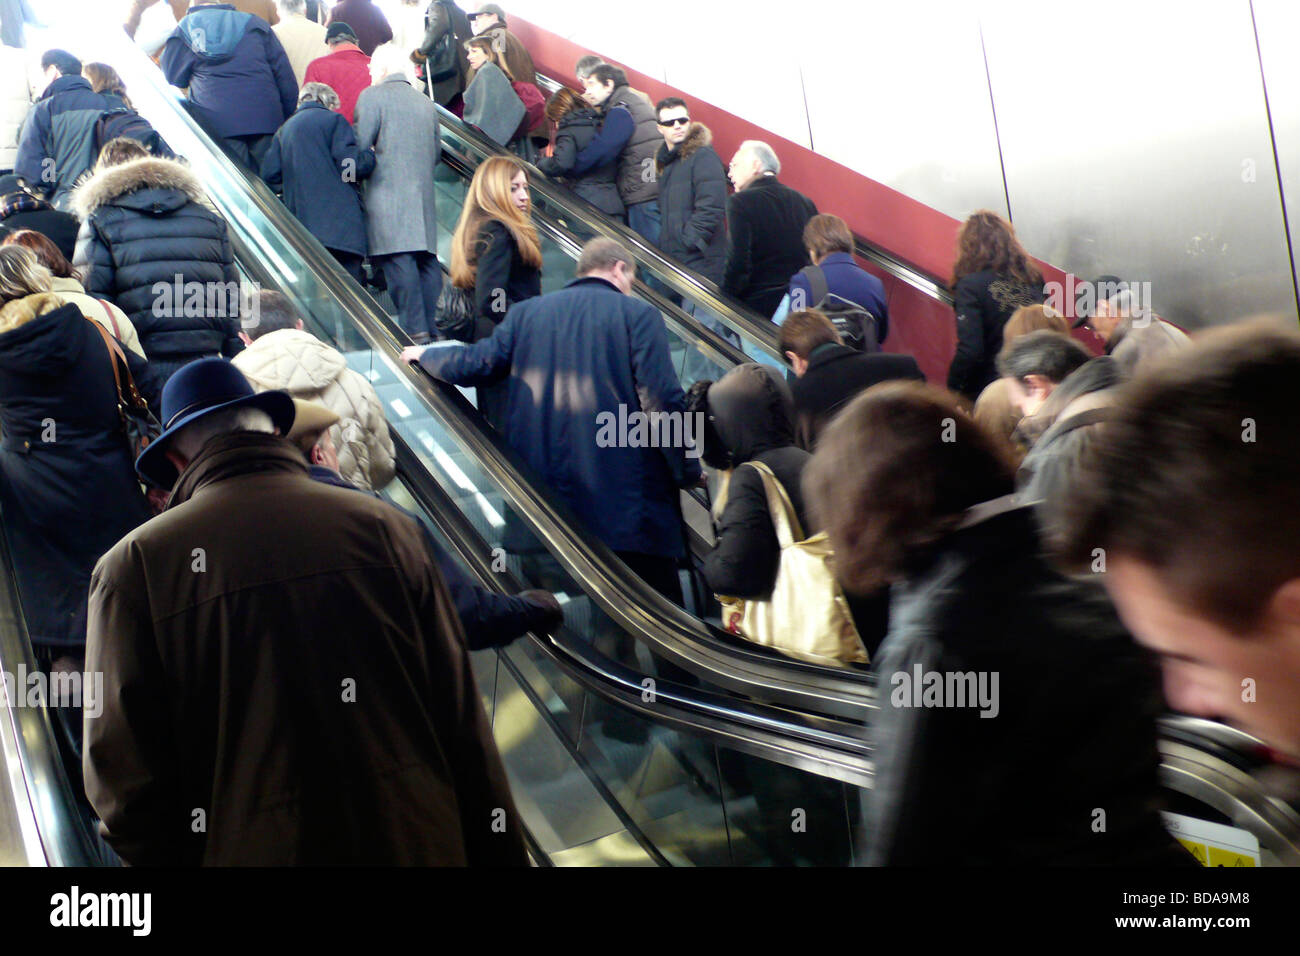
295, 360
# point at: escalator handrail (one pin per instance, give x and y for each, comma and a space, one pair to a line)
930, 285
59, 823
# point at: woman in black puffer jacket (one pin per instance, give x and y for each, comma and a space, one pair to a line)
576, 126
149, 243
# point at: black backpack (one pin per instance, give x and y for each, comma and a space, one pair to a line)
858, 327
127, 122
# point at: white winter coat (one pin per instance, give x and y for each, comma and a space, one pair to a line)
307, 368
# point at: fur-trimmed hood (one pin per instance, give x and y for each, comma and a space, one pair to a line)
698, 137
107, 185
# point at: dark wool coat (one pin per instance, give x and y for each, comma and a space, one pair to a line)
983, 301
500, 266
67, 480
575, 364
692, 204
599, 186
314, 159
765, 223
145, 224
239, 77
986, 603
308, 687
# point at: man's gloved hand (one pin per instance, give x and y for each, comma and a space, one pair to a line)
554, 616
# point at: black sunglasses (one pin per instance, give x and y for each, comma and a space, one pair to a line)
678, 121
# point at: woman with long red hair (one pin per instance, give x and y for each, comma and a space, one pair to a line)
992, 277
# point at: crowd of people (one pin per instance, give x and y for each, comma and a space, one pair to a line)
287, 651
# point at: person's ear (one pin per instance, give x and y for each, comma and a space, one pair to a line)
1284, 605
244, 337
316, 456
298, 324
791, 358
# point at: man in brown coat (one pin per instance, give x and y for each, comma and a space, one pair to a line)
284, 673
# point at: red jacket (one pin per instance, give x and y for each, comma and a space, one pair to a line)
346, 71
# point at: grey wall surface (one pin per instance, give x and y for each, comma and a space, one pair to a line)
1130, 137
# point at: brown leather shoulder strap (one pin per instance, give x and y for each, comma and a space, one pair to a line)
130, 395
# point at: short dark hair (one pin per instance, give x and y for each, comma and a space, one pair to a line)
670, 102
801, 332
586, 64
1053, 355
67, 64
274, 313
608, 73
1198, 474
894, 473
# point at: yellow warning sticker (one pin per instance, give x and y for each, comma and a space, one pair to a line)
1198, 850
1221, 857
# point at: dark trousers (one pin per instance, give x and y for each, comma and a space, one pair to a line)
351, 262
249, 150
415, 282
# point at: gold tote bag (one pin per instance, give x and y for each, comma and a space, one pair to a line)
806, 617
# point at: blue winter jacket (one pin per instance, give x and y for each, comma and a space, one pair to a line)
578, 364
57, 145
238, 75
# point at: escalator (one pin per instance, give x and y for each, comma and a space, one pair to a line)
610, 763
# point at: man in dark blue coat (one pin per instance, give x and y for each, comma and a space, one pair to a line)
57, 145
588, 367
315, 161
240, 81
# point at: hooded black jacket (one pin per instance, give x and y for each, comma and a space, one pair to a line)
751, 410
148, 243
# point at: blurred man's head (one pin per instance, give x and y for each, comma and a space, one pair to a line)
273, 312
1190, 503
894, 473
57, 63
674, 120
1034, 364
601, 82
339, 33
584, 67
606, 259
489, 15
801, 332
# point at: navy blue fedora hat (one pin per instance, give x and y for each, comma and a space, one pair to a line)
201, 388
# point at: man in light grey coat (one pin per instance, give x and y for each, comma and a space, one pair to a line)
401, 125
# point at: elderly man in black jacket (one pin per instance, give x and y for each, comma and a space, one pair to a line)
765, 223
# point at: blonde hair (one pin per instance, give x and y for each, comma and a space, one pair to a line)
21, 273
489, 199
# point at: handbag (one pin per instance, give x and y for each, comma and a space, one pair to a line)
806, 617
456, 313
138, 422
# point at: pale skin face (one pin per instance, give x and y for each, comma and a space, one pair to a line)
744, 169
596, 92
1028, 394
1104, 321
674, 131
1206, 663
519, 192
483, 21
476, 57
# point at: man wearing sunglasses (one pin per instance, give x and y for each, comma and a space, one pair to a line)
692, 192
